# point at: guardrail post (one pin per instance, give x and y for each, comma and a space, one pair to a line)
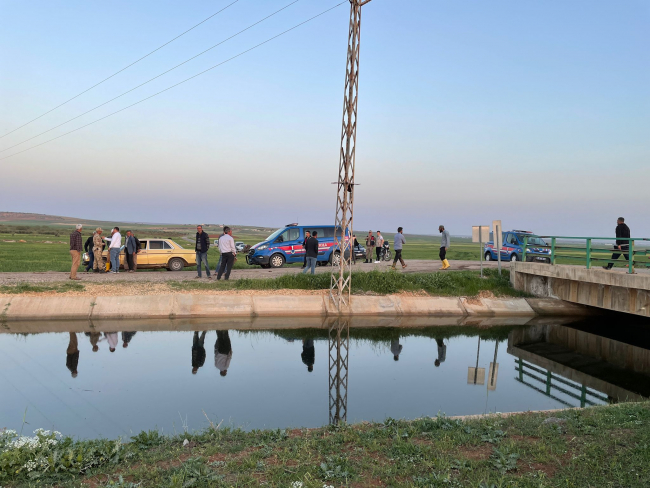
631, 257
552, 250
523, 253
588, 253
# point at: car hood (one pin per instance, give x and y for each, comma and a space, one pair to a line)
259, 244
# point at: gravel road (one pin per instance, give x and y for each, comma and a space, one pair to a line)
413, 266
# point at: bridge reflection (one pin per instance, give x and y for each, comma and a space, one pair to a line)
584, 367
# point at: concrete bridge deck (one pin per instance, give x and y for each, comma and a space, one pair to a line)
610, 290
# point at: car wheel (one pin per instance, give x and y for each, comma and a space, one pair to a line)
276, 261
175, 264
488, 256
514, 257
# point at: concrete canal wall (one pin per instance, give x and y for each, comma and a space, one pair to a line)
237, 306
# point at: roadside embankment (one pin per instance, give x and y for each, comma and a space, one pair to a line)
597, 446
179, 306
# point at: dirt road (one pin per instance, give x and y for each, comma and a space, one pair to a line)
414, 266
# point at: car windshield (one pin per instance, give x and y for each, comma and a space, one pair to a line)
532, 241
275, 234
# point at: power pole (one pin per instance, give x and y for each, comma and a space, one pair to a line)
340, 284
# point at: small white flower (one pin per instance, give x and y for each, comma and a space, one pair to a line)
296, 484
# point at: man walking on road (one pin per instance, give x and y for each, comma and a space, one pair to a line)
398, 245
370, 246
98, 247
311, 248
228, 253
114, 249
622, 231
444, 246
304, 245
379, 241
201, 248
130, 248
75, 251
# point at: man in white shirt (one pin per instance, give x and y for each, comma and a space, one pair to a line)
228, 253
115, 243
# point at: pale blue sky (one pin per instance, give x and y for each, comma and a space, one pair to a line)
536, 113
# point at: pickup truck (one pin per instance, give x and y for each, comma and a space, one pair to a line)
513, 247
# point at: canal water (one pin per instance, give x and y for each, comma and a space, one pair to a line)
88, 382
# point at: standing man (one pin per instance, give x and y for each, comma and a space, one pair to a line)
75, 251
370, 245
304, 245
202, 246
444, 246
88, 248
130, 248
398, 245
228, 253
311, 254
380, 246
98, 247
135, 255
114, 249
622, 230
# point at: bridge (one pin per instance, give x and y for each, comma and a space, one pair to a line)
572, 276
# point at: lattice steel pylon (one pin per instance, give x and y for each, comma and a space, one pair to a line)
341, 277
339, 343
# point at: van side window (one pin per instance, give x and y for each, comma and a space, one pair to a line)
329, 232
321, 232
512, 239
293, 234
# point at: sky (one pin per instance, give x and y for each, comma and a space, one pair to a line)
534, 113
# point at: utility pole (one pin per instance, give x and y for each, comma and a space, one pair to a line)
340, 284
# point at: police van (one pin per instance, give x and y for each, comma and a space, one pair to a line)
285, 246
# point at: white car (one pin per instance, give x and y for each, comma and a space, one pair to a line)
240, 246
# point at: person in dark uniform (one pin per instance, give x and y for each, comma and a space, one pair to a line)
126, 338
622, 230
304, 245
308, 354
198, 352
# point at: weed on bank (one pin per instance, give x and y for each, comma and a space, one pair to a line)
594, 447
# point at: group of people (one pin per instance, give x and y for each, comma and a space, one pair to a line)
228, 256
95, 245
400, 240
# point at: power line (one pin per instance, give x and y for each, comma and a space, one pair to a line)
126, 67
181, 82
155, 77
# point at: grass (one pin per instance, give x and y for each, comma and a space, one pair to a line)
458, 283
41, 288
596, 447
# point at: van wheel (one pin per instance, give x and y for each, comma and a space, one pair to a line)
488, 256
335, 259
175, 264
514, 257
276, 261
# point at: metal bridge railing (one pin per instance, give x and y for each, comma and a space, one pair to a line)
592, 252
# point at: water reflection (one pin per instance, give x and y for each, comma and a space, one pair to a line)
547, 365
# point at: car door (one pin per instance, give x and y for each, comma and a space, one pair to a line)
159, 252
505, 246
143, 255
292, 245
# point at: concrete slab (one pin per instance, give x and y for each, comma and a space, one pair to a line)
133, 307
494, 306
307, 305
379, 305
550, 306
198, 306
63, 308
430, 305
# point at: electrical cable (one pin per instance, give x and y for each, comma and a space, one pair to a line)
181, 82
118, 72
155, 77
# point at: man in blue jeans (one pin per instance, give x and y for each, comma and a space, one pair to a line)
201, 248
114, 249
311, 248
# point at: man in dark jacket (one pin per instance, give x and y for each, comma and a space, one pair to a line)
198, 351
622, 231
304, 245
88, 247
130, 249
202, 246
311, 248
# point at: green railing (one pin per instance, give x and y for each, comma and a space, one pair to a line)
574, 253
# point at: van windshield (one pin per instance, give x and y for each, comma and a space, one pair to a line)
533, 241
275, 234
